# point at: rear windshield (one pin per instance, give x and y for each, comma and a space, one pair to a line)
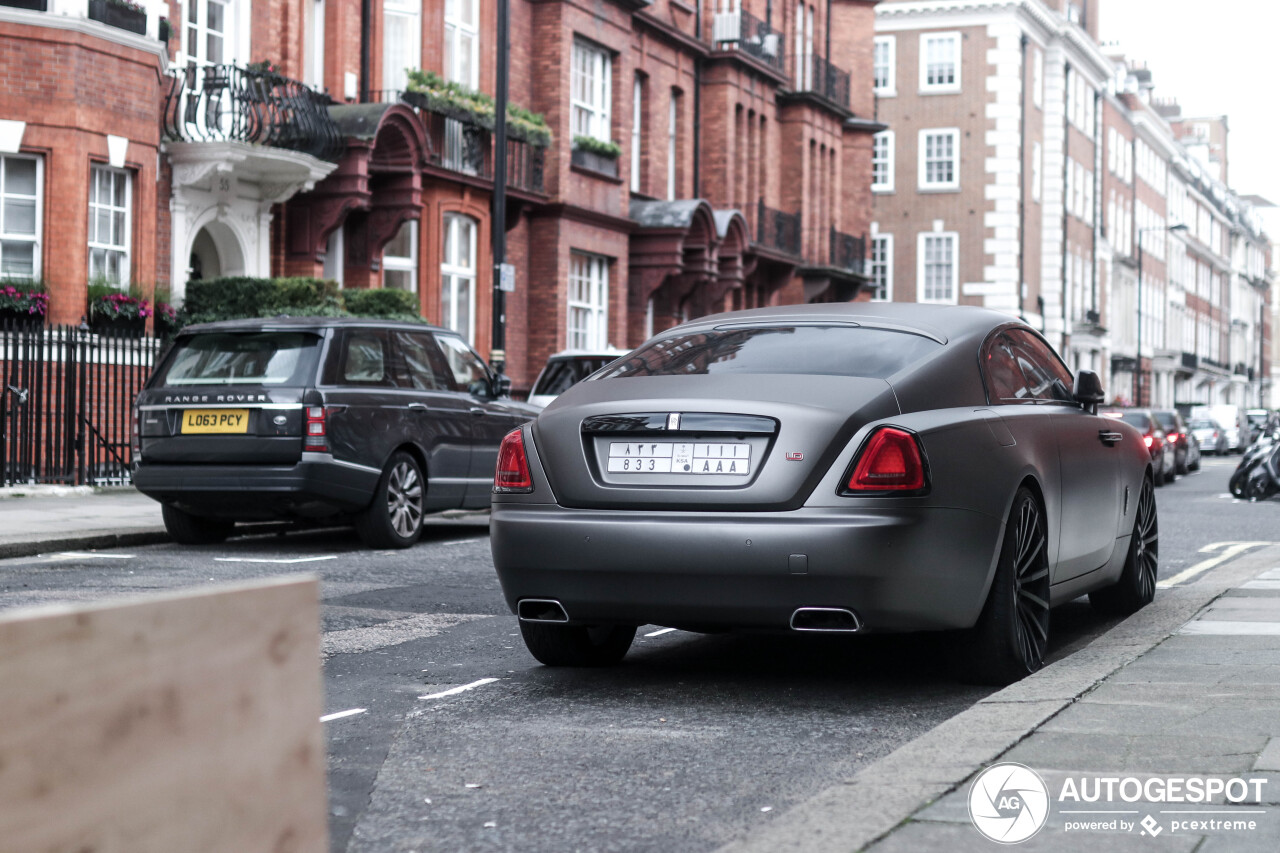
563, 373
241, 358
1202, 424
1168, 420
1138, 419
809, 350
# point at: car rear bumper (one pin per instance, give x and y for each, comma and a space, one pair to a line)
899, 569
314, 487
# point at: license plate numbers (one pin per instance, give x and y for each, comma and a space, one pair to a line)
215, 420
732, 458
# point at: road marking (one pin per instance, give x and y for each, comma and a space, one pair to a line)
282, 562
660, 632
1209, 627
456, 690
91, 555
338, 716
1232, 549
1262, 585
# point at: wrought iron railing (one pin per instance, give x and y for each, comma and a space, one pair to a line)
778, 230
848, 252
743, 31
820, 77
226, 103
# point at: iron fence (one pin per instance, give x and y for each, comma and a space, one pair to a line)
778, 230
743, 31
823, 78
848, 252
66, 404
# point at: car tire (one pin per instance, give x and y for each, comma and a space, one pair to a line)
1196, 465
1137, 584
1009, 640
1159, 476
577, 645
188, 529
394, 518
1184, 468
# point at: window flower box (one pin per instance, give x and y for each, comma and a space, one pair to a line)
32, 5
119, 14
595, 155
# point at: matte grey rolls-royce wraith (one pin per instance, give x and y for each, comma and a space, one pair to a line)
319, 418
859, 468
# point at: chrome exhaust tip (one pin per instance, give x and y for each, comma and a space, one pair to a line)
541, 610
825, 619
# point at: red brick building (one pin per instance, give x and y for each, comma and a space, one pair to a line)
698, 158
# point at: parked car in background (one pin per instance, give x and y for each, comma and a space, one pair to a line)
859, 467
1210, 434
1235, 425
1186, 450
1163, 459
565, 369
1258, 419
374, 421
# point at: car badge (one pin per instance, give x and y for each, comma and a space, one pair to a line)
673, 421
795, 456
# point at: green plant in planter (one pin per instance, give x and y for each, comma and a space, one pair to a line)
23, 300
463, 103
108, 303
612, 150
528, 125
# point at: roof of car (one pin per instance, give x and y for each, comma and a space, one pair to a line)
283, 322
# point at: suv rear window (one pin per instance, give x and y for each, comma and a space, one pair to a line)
563, 373
241, 358
1141, 421
809, 350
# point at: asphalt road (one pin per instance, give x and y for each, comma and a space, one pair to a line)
693, 741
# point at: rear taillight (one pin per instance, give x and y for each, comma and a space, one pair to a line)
512, 474
1148, 440
135, 440
314, 436
890, 461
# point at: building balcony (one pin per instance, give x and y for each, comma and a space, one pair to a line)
461, 144
226, 103
777, 230
848, 252
742, 31
816, 77
121, 15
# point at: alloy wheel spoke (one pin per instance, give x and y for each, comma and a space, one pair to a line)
1025, 596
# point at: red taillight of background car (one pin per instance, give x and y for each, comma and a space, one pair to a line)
1148, 440
314, 433
890, 462
512, 474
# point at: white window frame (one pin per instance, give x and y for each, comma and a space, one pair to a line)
884, 263
409, 50
313, 48
588, 298
18, 237
945, 85
199, 30
884, 57
453, 274
637, 117
457, 33
591, 90
402, 263
1037, 77
923, 161
951, 237
120, 247
882, 154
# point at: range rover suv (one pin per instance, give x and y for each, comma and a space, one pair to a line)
319, 418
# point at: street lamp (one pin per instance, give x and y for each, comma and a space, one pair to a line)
1137, 366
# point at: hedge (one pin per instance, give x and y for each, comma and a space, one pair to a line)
236, 298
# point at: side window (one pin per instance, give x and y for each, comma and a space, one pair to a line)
1047, 377
364, 359
1005, 382
469, 372
421, 364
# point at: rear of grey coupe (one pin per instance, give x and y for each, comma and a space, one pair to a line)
850, 468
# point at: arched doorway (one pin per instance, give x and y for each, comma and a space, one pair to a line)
215, 252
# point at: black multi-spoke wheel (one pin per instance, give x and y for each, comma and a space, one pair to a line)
1011, 636
1137, 584
394, 519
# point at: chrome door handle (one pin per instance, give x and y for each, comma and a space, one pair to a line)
1110, 438
477, 411
421, 408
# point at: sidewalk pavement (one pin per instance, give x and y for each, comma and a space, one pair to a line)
37, 519
1187, 687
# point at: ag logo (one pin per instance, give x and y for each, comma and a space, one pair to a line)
1008, 803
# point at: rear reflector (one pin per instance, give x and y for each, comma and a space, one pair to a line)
890, 462
512, 474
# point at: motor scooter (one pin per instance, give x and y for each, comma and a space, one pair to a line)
1252, 470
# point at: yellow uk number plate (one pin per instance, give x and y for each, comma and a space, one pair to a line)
215, 420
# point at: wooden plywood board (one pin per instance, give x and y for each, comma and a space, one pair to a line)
180, 723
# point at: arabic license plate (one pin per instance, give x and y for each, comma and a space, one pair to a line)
731, 458
215, 421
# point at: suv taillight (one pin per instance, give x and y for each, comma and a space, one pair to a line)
889, 462
314, 436
135, 439
512, 474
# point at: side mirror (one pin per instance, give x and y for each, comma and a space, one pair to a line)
1088, 390
501, 385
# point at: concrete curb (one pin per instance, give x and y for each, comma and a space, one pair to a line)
864, 809
78, 541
